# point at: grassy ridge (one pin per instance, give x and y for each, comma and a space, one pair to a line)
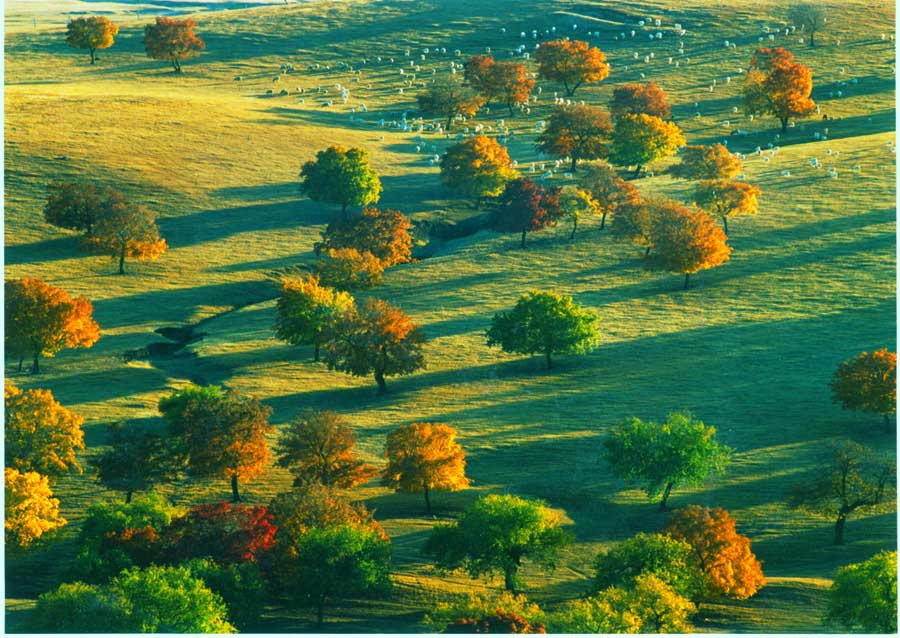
750, 350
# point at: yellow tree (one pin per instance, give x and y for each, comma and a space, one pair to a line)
40, 434
306, 309
41, 319
424, 457
91, 33
341, 176
347, 269
640, 139
30, 509
722, 554
868, 383
123, 229
686, 241
571, 63
714, 162
607, 189
778, 86
725, 199
477, 167
576, 203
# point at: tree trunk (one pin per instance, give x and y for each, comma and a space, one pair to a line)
574, 161
510, 105
235, 495
509, 579
379, 379
549, 356
523, 237
317, 347
427, 501
839, 529
662, 504
887, 421
725, 223
812, 38
449, 122
574, 226
21, 361
603, 221
320, 611
92, 55
128, 496
647, 252
122, 260
637, 171
35, 366
687, 280
784, 123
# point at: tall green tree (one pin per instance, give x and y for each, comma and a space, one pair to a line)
668, 559
863, 596
137, 461
341, 176
306, 309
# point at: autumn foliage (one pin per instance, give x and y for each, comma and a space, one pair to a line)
504, 81
712, 162
634, 99
607, 189
641, 139
778, 86
571, 63
725, 198
91, 33
341, 176
29, 507
424, 457
448, 97
41, 319
384, 233
173, 40
577, 132
477, 167
525, 207
868, 383
224, 532
122, 229
724, 556
306, 309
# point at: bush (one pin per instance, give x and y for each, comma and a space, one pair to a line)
241, 586
504, 613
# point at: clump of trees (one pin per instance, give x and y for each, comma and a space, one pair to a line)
578, 132
91, 33
507, 82
778, 85
341, 176
710, 162
571, 63
138, 460
634, 99
503, 613
383, 233
640, 139
172, 40
863, 596
449, 97
545, 323
668, 559
525, 207
478, 167
868, 383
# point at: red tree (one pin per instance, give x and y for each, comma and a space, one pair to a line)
525, 206
225, 532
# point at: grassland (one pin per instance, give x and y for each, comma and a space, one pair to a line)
750, 349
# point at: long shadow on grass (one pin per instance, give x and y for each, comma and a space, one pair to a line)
41, 251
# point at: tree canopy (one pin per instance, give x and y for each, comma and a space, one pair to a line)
173, 40
571, 63
504, 81
868, 383
863, 596
228, 534
74, 205
607, 189
384, 233
137, 461
668, 559
306, 309
448, 97
577, 132
725, 198
91, 33
641, 139
777, 85
504, 613
477, 167
634, 99
341, 176
30, 511
707, 162
122, 229
577, 203
525, 206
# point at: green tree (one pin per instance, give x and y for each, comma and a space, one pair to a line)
341, 176
641, 139
863, 596
306, 309
91, 33
137, 461
477, 167
173, 40
79, 608
546, 323
240, 585
681, 451
448, 97
490, 614
668, 559
713, 162
497, 533
809, 17
578, 132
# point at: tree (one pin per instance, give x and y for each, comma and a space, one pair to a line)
577, 132
341, 176
74, 205
868, 383
681, 451
222, 434
306, 309
91, 33
571, 63
384, 233
313, 505
686, 241
30, 511
778, 86
503, 613
863, 596
724, 556
173, 40
512, 84
333, 563
635, 99
78, 608
607, 189
228, 534
497, 533
479, 72
634, 221
122, 229
640, 139
138, 461
40, 435
666, 558
576, 203
712, 162
524, 206
424, 457
853, 479
41, 319
726, 199
810, 18
377, 339
317, 447
240, 585
546, 323
477, 167
448, 97
348, 269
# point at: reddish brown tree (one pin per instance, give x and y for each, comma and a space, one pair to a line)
639, 98
778, 86
221, 531
173, 40
577, 132
868, 383
610, 191
524, 207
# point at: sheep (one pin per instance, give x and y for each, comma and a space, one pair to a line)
238, 78
269, 91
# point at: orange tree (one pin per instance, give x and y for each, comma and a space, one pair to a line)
686, 241
314, 505
868, 383
640, 139
729, 566
91, 33
424, 457
40, 435
571, 63
633, 221
29, 507
384, 233
778, 86
317, 447
341, 176
348, 269
639, 98
448, 97
511, 83
725, 199
607, 189
173, 40
221, 433
478, 72
377, 339
712, 162
577, 132
41, 319
305, 309
477, 167
122, 229
524, 206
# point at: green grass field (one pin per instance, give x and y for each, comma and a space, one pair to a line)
750, 348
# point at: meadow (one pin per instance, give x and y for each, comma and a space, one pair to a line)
749, 349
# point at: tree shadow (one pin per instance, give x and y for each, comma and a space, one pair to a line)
44, 250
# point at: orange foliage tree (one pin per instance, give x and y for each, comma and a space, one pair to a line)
91, 33
686, 241
123, 229
377, 339
30, 509
714, 161
640, 139
478, 71
477, 167
571, 63
41, 319
313, 505
634, 222
40, 434
305, 309
778, 86
449, 97
424, 457
505, 81
725, 198
577, 132
639, 98
384, 233
318, 447
221, 433
868, 383
347, 269
724, 556
173, 40
607, 189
